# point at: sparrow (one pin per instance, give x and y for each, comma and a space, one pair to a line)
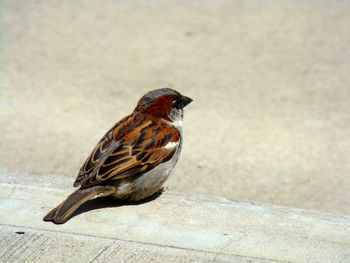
134, 158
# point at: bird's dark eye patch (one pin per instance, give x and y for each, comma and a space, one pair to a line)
177, 103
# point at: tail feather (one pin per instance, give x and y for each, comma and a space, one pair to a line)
63, 212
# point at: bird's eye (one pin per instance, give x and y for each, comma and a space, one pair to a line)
176, 103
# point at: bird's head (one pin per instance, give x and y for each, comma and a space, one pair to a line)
164, 103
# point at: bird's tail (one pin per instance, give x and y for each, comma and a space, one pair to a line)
62, 213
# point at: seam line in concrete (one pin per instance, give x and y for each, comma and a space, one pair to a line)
139, 242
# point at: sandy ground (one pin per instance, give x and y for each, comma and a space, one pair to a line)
270, 121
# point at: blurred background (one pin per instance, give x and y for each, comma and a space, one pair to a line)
270, 121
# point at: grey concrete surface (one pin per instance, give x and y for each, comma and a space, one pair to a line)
173, 227
270, 81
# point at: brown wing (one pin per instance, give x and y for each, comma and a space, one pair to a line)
102, 150
128, 150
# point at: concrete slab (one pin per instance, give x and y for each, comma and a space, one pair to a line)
270, 82
170, 228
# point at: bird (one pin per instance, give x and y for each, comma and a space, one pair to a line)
134, 158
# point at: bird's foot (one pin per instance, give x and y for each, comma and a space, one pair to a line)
162, 189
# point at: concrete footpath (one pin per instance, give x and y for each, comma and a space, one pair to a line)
269, 79
172, 227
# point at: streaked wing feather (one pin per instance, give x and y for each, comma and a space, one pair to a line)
95, 159
101, 151
138, 157
128, 156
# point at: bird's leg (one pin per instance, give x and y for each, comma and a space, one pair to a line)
162, 189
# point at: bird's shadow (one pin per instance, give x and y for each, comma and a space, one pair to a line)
104, 202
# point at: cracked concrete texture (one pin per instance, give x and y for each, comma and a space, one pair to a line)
170, 227
270, 81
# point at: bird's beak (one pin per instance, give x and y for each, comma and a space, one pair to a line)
186, 101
